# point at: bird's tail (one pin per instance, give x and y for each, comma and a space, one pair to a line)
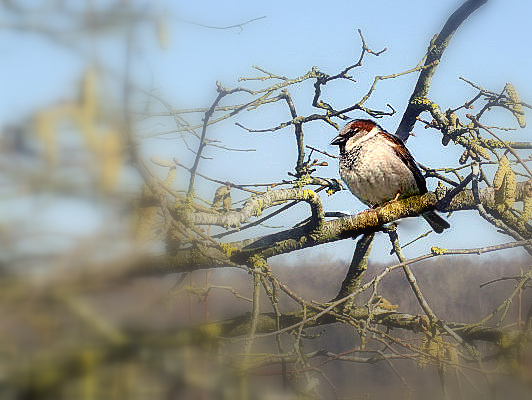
435, 221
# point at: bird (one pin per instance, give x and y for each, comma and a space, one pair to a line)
378, 168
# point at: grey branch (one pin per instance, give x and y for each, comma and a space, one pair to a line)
434, 54
255, 206
306, 235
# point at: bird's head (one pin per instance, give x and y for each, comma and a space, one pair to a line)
355, 131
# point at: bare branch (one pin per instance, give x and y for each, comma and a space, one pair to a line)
435, 52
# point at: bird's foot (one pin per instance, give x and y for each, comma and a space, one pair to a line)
395, 199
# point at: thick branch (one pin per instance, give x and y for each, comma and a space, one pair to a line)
358, 266
255, 206
304, 236
436, 50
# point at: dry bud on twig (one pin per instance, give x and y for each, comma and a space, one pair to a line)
516, 108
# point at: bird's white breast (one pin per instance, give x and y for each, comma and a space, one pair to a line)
378, 174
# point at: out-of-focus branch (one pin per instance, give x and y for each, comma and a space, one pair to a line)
239, 25
50, 375
239, 326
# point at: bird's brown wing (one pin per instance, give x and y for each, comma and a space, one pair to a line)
403, 153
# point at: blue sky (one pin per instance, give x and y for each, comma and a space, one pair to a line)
491, 48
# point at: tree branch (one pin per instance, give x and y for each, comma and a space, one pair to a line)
435, 52
358, 266
307, 235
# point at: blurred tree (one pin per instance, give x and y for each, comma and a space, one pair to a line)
67, 334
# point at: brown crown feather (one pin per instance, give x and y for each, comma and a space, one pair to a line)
359, 124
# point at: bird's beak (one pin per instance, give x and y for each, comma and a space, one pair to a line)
338, 140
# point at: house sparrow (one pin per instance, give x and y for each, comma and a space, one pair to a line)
378, 168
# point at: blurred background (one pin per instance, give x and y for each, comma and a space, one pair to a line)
91, 87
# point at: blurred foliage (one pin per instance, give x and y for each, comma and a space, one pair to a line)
85, 314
